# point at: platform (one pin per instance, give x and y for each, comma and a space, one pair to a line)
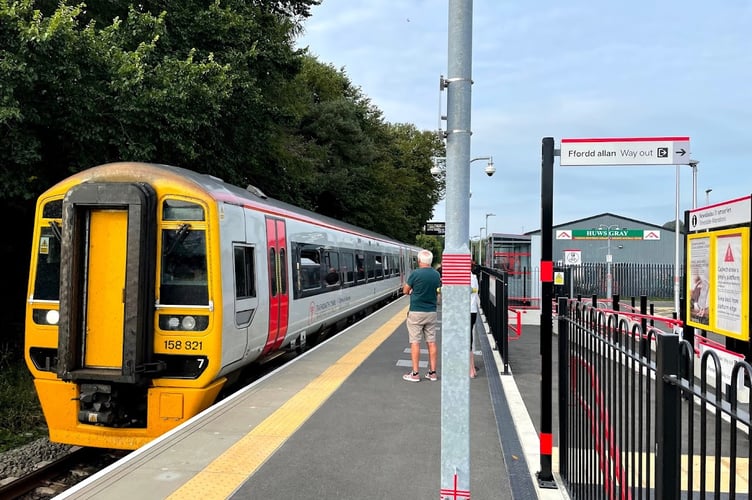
338, 422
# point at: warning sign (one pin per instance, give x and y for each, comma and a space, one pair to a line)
717, 281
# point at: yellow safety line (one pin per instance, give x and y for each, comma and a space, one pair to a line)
231, 469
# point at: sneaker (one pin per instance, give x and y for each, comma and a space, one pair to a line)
432, 376
411, 377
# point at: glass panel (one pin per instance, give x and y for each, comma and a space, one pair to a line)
47, 281
183, 280
53, 210
331, 261
181, 210
283, 270
273, 271
360, 263
309, 269
245, 283
348, 267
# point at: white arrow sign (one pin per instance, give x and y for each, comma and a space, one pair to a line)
625, 151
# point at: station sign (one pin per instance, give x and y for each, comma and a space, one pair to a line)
625, 151
727, 213
435, 228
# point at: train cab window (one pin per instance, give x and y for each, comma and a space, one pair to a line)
53, 210
47, 281
348, 267
181, 210
183, 277
331, 268
360, 265
245, 282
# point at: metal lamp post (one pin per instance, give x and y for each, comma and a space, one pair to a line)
693, 164
707, 196
609, 258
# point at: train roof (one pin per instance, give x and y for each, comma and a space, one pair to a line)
220, 191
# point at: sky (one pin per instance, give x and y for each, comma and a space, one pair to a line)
574, 69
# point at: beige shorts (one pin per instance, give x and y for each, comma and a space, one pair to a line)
421, 325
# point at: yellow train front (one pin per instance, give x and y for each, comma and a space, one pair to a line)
130, 328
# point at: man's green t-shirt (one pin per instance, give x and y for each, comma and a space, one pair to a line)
424, 281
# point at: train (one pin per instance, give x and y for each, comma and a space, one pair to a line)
152, 286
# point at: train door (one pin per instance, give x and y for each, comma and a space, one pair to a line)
105, 287
279, 299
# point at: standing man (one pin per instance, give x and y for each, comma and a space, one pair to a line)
423, 285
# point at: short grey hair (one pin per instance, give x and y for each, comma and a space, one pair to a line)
425, 257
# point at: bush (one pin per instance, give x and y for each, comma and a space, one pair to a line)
21, 418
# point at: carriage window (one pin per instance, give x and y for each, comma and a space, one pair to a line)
348, 267
183, 279
360, 265
331, 267
181, 210
47, 282
245, 283
309, 269
378, 264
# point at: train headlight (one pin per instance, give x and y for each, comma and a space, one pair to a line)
52, 317
47, 317
183, 322
189, 323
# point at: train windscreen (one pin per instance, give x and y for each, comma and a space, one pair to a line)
183, 279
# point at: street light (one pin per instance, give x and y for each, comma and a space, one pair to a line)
437, 170
609, 277
707, 196
491, 250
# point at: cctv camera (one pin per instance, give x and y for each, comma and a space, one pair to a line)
490, 170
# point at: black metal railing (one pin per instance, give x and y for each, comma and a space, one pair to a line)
494, 300
641, 415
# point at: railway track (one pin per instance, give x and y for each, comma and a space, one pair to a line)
56, 476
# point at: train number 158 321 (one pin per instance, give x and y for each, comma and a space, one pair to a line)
183, 345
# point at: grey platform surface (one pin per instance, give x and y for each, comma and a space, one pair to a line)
377, 436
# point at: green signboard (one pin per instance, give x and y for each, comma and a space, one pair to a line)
605, 234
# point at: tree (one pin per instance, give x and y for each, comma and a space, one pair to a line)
670, 225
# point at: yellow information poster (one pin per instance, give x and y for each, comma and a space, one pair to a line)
718, 282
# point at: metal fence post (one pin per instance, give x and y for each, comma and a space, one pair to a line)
667, 430
563, 310
504, 327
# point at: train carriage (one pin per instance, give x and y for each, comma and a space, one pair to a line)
150, 286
